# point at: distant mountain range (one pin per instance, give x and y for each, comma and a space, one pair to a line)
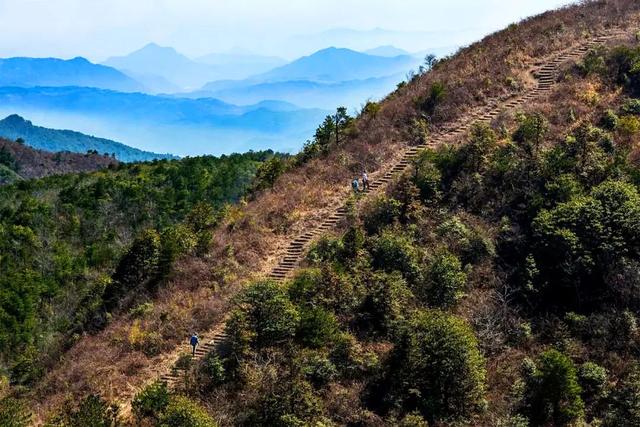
29, 72
152, 62
163, 69
166, 124
339, 65
52, 140
214, 104
326, 79
350, 94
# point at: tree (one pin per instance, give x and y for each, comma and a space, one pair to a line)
151, 402
435, 368
577, 240
138, 267
92, 411
182, 412
13, 413
531, 133
552, 392
268, 313
446, 281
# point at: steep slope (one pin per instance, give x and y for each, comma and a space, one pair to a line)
476, 84
21, 162
53, 140
30, 72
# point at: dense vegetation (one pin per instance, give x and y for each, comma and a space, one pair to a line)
494, 284
516, 252
76, 248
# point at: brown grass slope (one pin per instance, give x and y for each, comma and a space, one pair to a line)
33, 163
256, 235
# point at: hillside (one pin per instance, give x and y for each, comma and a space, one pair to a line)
19, 162
66, 244
490, 277
53, 140
30, 72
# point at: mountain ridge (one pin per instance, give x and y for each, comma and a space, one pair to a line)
61, 140
33, 72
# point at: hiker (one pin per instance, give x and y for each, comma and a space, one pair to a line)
194, 343
365, 181
355, 184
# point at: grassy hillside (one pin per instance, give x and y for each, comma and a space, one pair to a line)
493, 284
76, 248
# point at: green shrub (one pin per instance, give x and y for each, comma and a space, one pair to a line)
352, 242
593, 380
319, 370
318, 327
92, 411
419, 132
428, 179
436, 95
350, 359
326, 249
629, 126
385, 303
151, 402
593, 63
435, 368
445, 281
632, 106
609, 120
14, 413
392, 251
142, 310
379, 213
553, 391
625, 405
212, 371
575, 240
182, 412
413, 420
270, 315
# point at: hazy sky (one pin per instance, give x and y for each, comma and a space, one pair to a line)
101, 28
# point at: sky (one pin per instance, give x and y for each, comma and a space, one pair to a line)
98, 29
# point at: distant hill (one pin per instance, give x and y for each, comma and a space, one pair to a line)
29, 72
165, 62
338, 65
14, 127
19, 161
304, 93
387, 51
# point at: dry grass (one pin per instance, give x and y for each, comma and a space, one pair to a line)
254, 236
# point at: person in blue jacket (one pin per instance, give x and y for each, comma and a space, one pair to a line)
194, 343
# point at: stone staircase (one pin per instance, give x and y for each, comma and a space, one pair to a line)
546, 73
